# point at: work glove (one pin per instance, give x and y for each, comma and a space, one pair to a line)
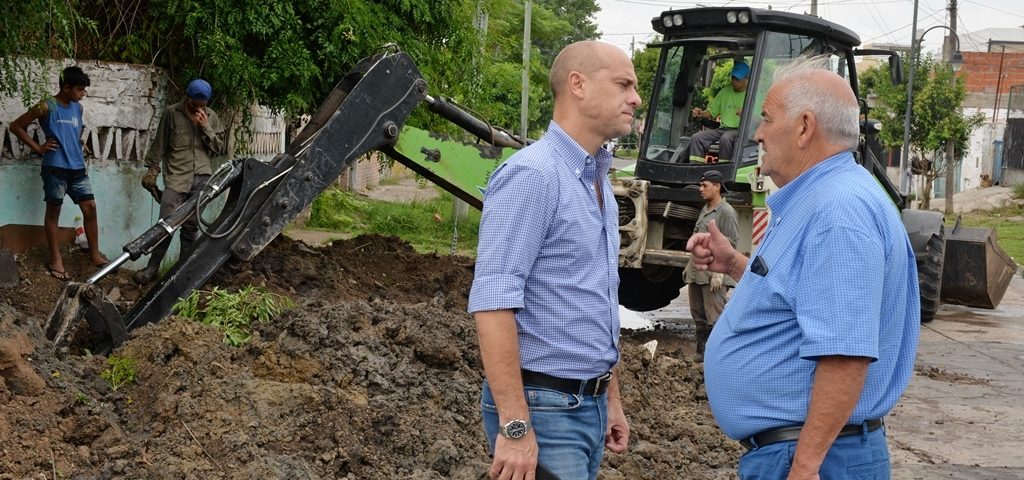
715, 284
149, 180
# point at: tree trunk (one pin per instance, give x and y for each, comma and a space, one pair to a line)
950, 167
926, 191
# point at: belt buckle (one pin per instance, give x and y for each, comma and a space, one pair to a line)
597, 381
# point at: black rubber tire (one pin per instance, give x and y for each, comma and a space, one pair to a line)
929, 275
649, 288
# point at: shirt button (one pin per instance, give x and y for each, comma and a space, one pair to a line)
577, 171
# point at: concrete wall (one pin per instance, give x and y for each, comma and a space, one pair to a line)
121, 110
980, 155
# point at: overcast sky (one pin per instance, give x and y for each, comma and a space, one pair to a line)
880, 21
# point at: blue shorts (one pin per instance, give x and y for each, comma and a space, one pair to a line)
58, 182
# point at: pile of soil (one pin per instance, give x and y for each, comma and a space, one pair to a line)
374, 374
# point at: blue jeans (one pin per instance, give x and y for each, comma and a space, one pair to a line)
569, 428
58, 182
856, 457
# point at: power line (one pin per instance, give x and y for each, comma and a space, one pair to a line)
880, 20
901, 28
994, 8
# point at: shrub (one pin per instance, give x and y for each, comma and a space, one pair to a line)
233, 313
120, 371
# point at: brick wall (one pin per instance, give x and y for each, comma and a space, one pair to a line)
981, 71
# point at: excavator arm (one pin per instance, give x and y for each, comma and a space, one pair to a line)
366, 111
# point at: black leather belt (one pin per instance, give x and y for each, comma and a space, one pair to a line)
594, 386
786, 434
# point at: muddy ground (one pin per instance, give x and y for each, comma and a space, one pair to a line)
374, 374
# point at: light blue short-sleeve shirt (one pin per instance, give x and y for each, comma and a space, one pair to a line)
549, 253
841, 280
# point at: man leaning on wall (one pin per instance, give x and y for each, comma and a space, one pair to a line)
63, 170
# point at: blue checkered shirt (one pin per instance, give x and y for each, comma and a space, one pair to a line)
548, 253
841, 280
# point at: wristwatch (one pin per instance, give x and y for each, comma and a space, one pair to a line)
515, 429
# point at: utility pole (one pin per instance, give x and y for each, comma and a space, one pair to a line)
905, 155
814, 7
525, 107
947, 54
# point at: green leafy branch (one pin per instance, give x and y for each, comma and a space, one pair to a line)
120, 371
233, 313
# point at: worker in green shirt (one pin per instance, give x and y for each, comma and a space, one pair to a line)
726, 107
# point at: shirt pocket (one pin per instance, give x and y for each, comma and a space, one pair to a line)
759, 302
181, 134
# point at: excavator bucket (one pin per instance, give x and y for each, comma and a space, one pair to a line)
84, 318
977, 271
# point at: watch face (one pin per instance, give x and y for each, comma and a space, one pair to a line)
515, 429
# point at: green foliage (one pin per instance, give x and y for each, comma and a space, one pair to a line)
120, 371
1018, 191
426, 225
288, 54
1008, 223
936, 113
722, 78
233, 313
82, 399
645, 64
32, 31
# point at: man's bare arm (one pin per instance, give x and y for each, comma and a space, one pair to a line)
499, 352
838, 382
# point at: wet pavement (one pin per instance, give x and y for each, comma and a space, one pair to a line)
966, 421
962, 417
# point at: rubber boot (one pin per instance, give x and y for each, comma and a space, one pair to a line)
702, 334
186, 249
146, 275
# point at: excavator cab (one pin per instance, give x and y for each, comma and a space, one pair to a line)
698, 48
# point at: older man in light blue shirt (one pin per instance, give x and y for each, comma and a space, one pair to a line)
818, 341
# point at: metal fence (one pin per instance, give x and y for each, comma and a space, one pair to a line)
1015, 105
1013, 139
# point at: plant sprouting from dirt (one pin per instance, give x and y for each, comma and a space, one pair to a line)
1018, 191
120, 371
233, 313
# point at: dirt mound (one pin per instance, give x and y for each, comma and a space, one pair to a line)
374, 374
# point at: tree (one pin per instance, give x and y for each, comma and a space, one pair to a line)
645, 64
32, 31
288, 54
936, 117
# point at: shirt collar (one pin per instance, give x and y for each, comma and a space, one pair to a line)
574, 156
783, 198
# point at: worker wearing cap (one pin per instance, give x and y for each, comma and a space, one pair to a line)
189, 135
707, 290
726, 107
